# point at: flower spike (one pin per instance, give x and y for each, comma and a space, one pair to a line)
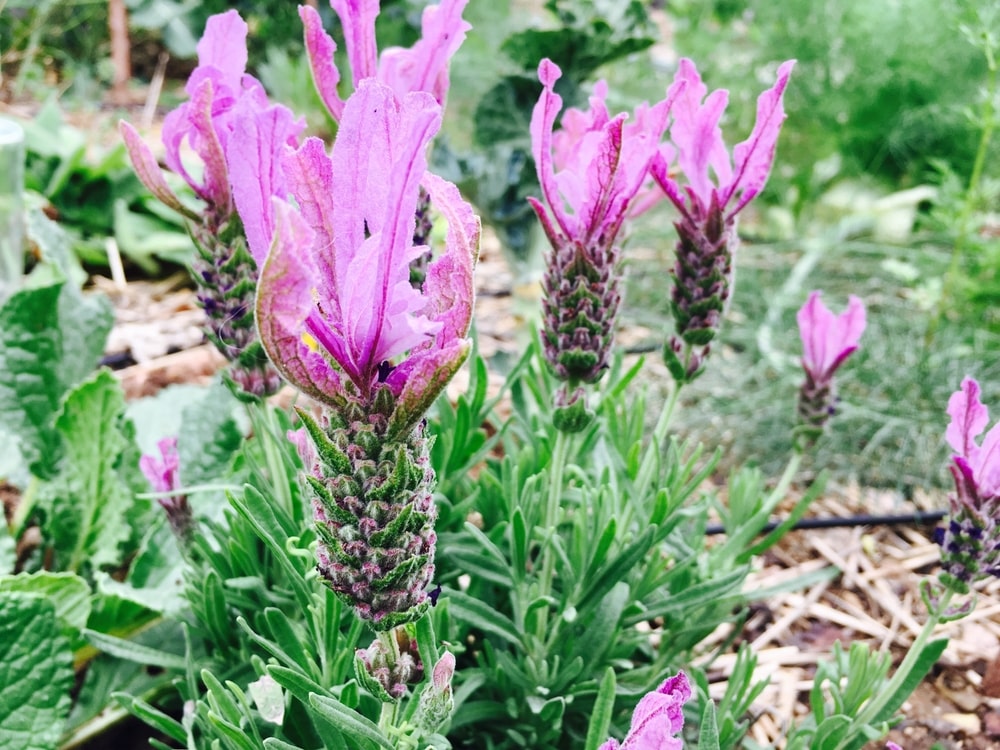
709, 206
970, 543
238, 135
590, 172
827, 341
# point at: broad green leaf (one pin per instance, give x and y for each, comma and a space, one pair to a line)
209, 436
31, 347
69, 594
89, 501
927, 659
36, 673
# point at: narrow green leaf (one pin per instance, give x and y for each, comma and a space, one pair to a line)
154, 717
136, 652
927, 659
831, 732
480, 615
36, 665
604, 708
349, 721
708, 735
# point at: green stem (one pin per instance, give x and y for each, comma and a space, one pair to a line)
557, 466
654, 450
965, 218
878, 702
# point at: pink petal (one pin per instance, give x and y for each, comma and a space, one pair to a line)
987, 472
421, 378
755, 155
358, 19
543, 119
969, 418
449, 285
696, 132
254, 157
284, 301
309, 175
424, 67
223, 46
148, 170
828, 339
320, 49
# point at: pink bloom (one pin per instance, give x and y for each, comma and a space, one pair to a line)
223, 99
979, 465
594, 165
828, 339
335, 297
422, 67
163, 472
697, 138
658, 718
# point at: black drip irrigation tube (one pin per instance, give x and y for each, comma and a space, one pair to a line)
919, 518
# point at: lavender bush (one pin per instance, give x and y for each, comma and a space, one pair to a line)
392, 568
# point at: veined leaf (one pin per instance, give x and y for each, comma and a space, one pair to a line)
69, 594
36, 673
89, 501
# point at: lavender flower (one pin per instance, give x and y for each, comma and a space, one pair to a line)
340, 320
970, 543
228, 115
703, 273
658, 717
590, 172
163, 474
827, 341
423, 67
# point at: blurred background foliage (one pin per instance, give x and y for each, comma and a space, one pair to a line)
885, 183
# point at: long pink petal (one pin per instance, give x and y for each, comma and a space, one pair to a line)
424, 67
309, 175
205, 140
320, 49
254, 156
543, 119
224, 46
358, 19
149, 172
969, 418
754, 156
449, 286
285, 301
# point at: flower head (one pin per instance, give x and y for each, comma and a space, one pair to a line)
163, 474
594, 165
699, 147
422, 67
971, 541
335, 304
590, 171
239, 136
658, 718
221, 95
707, 239
827, 341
